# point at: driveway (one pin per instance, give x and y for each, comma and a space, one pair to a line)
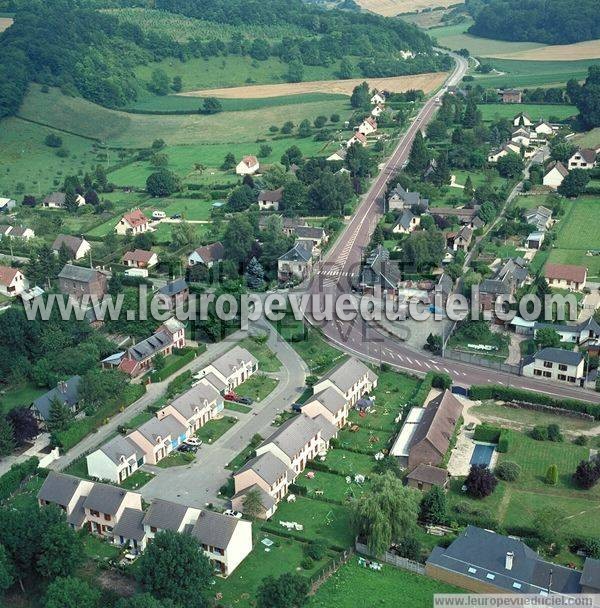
198, 483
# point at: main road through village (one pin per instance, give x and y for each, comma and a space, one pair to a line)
332, 276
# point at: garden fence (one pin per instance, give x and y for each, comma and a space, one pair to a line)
394, 560
475, 359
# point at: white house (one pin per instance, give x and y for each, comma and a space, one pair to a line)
77, 247
134, 222
555, 173
583, 159
556, 364
269, 199
18, 232
522, 120
508, 148
565, 276
339, 155
406, 223
6, 204
56, 200
357, 138
377, 97
377, 110
12, 281
247, 166
140, 258
543, 128
116, 460
367, 126
232, 368
207, 255
352, 379
521, 136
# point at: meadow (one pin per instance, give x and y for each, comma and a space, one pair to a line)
495, 111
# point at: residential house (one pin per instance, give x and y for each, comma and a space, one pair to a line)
311, 237
543, 129
590, 577
522, 120
232, 368
116, 460
463, 214
584, 158
66, 393
512, 96
56, 200
78, 281
554, 175
7, 204
461, 240
12, 281
195, 407
424, 477
377, 97
138, 358
157, 438
18, 232
140, 258
521, 136
357, 138
556, 364
585, 334
444, 287
249, 165
266, 474
434, 431
77, 247
504, 282
207, 255
367, 126
295, 264
379, 273
400, 199
339, 155
299, 440
406, 223
270, 199
476, 223
129, 532
566, 276
352, 379
68, 493
483, 561
508, 148
288, 224
377, 111
104, 505
331, 404
134, 222
175, 293
535, 240
540, 217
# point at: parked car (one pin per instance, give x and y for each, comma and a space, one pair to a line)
233, 513
245, 400
296, 407
176, 216
230, 396
193, 441
184, 447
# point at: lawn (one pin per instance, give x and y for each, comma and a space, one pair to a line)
577, 233
267, 359
175, 459
213, 429
365, 439
333, 487
137, 480
22, 396
257, 387
189, 208
460, 341
321, 520
349, 463
237, 407
495, 111
285, 555
354, 586
97, 548
139, 419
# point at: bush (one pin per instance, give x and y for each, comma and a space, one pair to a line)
539, 433
419, 397
587, 473
480, 482
441, 381
409, 547
508, 470
486, 433
316, 549
552, 475
12, 479
591, 546
581, 440
554, 433
503, 442
306, 563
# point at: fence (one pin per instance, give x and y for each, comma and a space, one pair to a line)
475, 359
394, 560
329, 569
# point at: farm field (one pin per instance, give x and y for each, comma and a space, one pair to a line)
590, 139
5, 23
494, 111
354, 586
391, 8
577, 233
428, 82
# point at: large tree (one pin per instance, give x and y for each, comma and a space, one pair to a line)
238, 239
286, 591
162, 183
61, 551
174, 567
574, 183
418, 159
7, 571
71, 592
434, 506
388, 513
24, 423
480, 481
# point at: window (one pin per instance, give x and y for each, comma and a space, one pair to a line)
107, 517
547, 375
562, 377
153, 529
537, 372
94, 513
490, 576
547, 363
562, 367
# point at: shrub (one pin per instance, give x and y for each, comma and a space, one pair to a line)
316, 549
508, 470
591, 546
552, 475
581, 440
503, 442
587, 473
554, 433
441, 381
487, 433
480, 482
306, 563
11, 480
409, 547
539, 433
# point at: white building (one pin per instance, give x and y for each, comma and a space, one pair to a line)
249, 165
555, 174
556, 364
12, 281
232, 368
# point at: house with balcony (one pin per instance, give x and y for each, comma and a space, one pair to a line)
116, 460
556, 364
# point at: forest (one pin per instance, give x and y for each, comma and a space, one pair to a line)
554, 22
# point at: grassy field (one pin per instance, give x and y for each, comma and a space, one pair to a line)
349, 463
354, 586
213, 429
22, 396
267, 359
591, 139
333, 487
257, 387
578, 232
494, 111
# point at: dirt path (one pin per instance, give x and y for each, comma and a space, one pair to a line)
427, 82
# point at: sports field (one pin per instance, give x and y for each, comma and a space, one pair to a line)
390, 8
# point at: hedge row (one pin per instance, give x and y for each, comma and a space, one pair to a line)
418, 399
12, 479
271, 529
488, 433
506, 393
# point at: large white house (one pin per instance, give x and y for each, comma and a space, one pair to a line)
231, 369
556, 364
12, 281
134, 222
583, 159
249, 165
116, 460
555, 173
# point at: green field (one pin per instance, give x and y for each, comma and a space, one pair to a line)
267, 359
349, 463
494, 111
330, 486
354, 586
577, 233
22, 396
257, 387
213, 429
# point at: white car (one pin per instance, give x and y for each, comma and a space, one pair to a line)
233, 513
194, 441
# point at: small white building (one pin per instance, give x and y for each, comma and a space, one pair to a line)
116, 460
555, 174
377, 97
367, 126
268, 200
249, 165
134, 222
357, 138
207, 255
12, 281
77, 247
522, 120
56, 200
7, 204
521, 136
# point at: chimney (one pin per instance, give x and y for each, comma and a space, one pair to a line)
509, 560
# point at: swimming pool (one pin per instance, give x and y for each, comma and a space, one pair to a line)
482, 454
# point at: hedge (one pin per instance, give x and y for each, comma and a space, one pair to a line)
506, 393
503, 442
419, 397
12, 479
487, 433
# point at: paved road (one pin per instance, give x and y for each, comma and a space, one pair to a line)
332, 276
199, 483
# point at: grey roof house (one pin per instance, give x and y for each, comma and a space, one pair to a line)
66, 392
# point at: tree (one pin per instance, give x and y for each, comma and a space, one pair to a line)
7, 439
240, 199
253, 505
255, 276
480, 482
60, 416
238, 239
441, 173
320, 122
177, 84
182, 234
472, 115
162, 183
174, 567
159, 82
228, 162
53, 141
547, 337
61, 551
434, 343
386, 514
293, 155
159, 160
71, 592
330, 194
551, 475
346, 70
361, 96
554, 433
141, 600
304, 129
419, 156
293, 199
295, 72
334, 118
316, 549
507, 470
469, 190
71, 204
211, 105
287, 127
511, 165
587, 473
434, 506
24, 423
264, 151
7, 571
286, 591
574, 184
587, 98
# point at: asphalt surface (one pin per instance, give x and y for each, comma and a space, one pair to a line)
363, 339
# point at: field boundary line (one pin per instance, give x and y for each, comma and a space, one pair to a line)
43, 124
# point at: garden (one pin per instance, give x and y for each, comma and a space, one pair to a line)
213, 429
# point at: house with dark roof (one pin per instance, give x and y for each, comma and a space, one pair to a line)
68, 493
78, 281
269, 199
511, 96
76, 247
330, 403
175, 293
585, 334
406, 223
424, 477
379, 273
509, 277
140, 258
431, 438
555, 364
295, 264
207, 255
401, 200
540, 217
116, 460
590, 577
232, 368
157, 438
482, 561
56, 200
66, 392
352, 379
311, 237
584, 158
